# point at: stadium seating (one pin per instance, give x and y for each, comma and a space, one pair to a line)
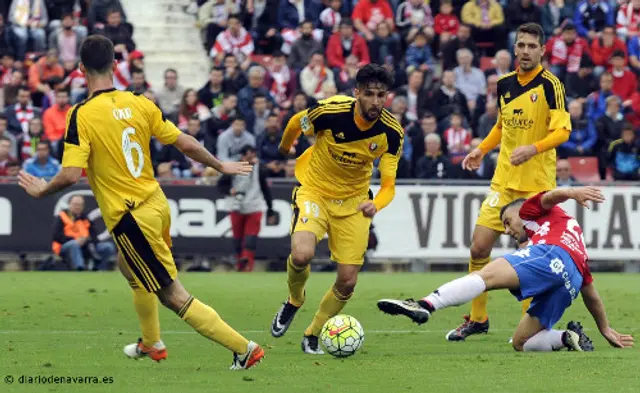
585, 169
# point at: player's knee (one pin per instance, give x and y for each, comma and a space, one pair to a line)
301, 255
518, 347
479, 250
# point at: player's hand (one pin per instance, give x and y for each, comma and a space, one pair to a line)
473, 160
242, 168
523, 154
34, 186
368, 208
616, 339
585, 194
288, 153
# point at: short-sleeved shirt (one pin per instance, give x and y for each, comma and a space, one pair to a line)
109, 134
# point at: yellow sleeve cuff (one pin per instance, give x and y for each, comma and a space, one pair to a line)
385, 194
553, 140
492, 140
292, 131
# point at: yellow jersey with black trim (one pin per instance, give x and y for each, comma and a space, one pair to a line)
109, 134
530, 107
340, 163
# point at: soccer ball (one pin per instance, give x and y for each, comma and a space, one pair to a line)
342, 336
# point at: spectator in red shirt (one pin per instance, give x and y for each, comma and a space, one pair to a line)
565, 51
368, 13
446, 23
625, 82
344, 43
54, 119
602, 48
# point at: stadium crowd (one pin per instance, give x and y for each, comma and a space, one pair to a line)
272, 58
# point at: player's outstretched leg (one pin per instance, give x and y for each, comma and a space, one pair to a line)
482, 242
146, 306
206, 321
332, 303
303, 247
496, 275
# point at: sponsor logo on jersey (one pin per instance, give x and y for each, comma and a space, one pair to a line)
518, 112
305, 124
347, 158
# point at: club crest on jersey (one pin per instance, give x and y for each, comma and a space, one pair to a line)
534, 97
304, 220
373, 146
340, 135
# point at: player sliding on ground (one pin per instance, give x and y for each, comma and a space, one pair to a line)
532, 121
334, 197
109, 135
552, 270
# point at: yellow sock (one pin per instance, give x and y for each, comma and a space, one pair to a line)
206, 321
297, 277
332, 303
146, 304
525, 305
479, 304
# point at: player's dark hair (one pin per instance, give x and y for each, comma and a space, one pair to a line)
24, 88
272, 114
194, 117
515, 203
4, 138
428, 115
3, 117
12, 164
136, 70
533, 29
372, 74
304, 22
259, 95
628, 127
170, 70
235, 16
228, 94
236, 118
112, 10
96, 54
278, 53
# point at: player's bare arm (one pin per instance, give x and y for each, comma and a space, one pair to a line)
194, 150
39, 188
582, 195
594, 304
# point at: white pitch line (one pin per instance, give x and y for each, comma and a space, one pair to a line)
177, 332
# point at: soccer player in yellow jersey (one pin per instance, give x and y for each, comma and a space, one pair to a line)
334, 196
532, 121
109, 135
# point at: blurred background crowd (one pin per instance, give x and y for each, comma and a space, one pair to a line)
272, 58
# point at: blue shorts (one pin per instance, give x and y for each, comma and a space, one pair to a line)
548, 274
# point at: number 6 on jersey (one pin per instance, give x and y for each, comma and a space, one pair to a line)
127, 146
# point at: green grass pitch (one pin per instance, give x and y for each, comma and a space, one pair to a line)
75, 324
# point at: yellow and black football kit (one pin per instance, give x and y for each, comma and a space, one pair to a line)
109, 135
335, 173
531, 112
